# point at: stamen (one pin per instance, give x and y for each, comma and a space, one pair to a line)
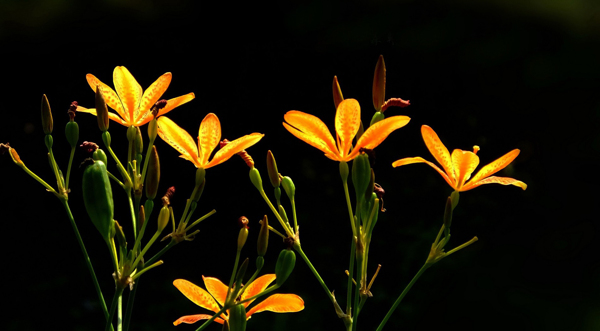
374, 276
348, 274
475, 149
395, 102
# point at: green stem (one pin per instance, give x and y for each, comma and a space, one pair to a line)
395, 305
36, 177
120, 313
200, 219
88, 262
162, 251
115, 179
113, 307
235, 267
152, 240
266, 291
130, 301
350, 278
349, 204
298, 249
132, 211
205, 324
288, 231
69, 167
147, 159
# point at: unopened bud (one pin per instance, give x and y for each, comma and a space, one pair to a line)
152, 129
361, 174
163, 218
120, 234
47, 123
15, 156
263, 237
153, 175
272, 168
243, 235
256, 179
289, 187
285, 265
454, 195
101, 110
337, 92
379, 84
139, 142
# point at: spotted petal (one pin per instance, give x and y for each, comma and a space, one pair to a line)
111, 115
179, 139
257, 286
110, 96
311, 130
418, 159
377, 133
129, 91
190, 319
494, 180
196, 294
216, 288
464, 162
279, 303
151, 96
495, 166
209, 136
439, 151
347, 123
233, 148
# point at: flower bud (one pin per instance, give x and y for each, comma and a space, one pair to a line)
285, 265
101, 110
97, 197
272, 168
153, 175
337, 92
163, 218
139, 142
152, 129
289, 187
378, 116
256, 179
47, 123
263, 237
243, 235
379, 84
120, 234
15, 156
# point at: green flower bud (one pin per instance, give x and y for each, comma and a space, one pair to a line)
361, 175
153, 174
256, 179
454, 195
152, 129
289, 187
101, 110
97, 197
285, 265
378, 116
47, 123
163, 218
237, 318
99, 155
139, 142
242, 237
120, 234
263, 237
272, 168
72, 133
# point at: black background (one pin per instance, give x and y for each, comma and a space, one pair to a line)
499, 74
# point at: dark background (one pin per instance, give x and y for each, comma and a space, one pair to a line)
499, 74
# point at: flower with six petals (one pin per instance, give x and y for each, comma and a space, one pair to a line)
459, 166
314, 132
209, 136
133, 106
214, 296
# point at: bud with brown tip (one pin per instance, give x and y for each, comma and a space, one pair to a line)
47, 123
153, 175
101, 110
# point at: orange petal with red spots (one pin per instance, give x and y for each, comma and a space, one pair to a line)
494, 180
411, 160
196, 294
257, 286
347, 123
190, 319
110, 96
311, 130
111, 115
179, 139
496, 166
216, 288
439, 151
153, 94
129, 91
233, 148
209, 136
279, 303
377, 133
464, 162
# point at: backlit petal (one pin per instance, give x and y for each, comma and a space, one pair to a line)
196, 294
439, 151
311, 130
152, 94
209, 136
464, 163
279, 303
233, 148
128, 90
110, 96
257, 286
496, 166
494, 180
347, 123
171, 104
216, 288
190, 319
111, 115
179, 139
377, 133
411, 160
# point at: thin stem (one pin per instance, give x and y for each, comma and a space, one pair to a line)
395, 305
349, 204
115, 179
267, 291
152, 240
69, 167
120, 313
36, 177
201, 219
162, 251
205, 324
350, 279
122, 170
130, 301
298, 249
288, 231
235, 267
113, 307
294, 215
132, 211
152, 266
147, 159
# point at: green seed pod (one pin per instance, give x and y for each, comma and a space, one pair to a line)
285, 265
139, 142
99, 155
163, 218
72, 133
97, 197
101, 110
256, 179
153, 174
454, 195
242, 237
289, 187
378, 116
47, 123
361, 175
263, 237
272, 167
152, 129
237, 318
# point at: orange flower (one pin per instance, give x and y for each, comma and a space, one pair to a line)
459, 166
314, 132
133, 107
217, 291
209, 136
